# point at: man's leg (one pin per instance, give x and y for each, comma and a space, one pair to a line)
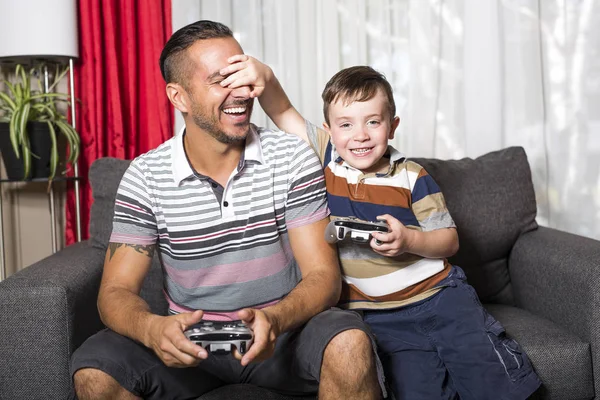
111, 366
332, 355
348, 370
93, 384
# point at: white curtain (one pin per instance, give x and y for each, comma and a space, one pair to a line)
469, 76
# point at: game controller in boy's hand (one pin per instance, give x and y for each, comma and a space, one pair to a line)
355, 229
219, 337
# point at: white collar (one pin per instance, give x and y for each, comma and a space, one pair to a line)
182, 169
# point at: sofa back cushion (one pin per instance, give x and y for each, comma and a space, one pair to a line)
105, 175
492, 201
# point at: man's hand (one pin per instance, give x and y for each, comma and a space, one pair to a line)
265, 331
396, 241
166, 338
246, 71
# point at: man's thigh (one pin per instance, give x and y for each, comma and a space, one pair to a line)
140, 371
295, 368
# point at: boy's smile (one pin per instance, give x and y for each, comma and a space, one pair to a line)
360, 131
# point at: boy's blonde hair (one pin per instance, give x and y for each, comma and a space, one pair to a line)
359, 83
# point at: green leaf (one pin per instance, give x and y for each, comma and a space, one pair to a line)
58, 76
24, 117
25, 146
14, 136
53, 151
73, 139
8, 100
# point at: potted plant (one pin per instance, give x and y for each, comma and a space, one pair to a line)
29, 124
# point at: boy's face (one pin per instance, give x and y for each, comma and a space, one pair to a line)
360, 132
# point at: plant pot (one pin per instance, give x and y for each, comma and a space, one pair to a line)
40, 143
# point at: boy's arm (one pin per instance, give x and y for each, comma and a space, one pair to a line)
439, 243
435, 235
248, 71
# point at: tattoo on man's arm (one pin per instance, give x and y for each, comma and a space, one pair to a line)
147, 250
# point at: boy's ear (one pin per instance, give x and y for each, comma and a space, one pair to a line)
178, 97
395, 123
327, 129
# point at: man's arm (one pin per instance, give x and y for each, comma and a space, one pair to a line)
125, 267
319, 289
125, 312
321, 283
248, 71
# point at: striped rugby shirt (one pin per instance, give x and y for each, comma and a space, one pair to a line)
223, 253
408, 193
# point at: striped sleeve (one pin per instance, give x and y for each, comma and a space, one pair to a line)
134, 221
306, 200
428, 202
319, 139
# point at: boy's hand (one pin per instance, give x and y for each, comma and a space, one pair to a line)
396, 241
246, 71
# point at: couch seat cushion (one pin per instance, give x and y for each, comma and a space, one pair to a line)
563, 361
247, 392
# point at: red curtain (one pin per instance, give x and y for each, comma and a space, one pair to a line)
123, 110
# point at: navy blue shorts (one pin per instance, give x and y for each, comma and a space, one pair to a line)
448, 346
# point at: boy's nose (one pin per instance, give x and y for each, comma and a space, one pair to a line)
360, 135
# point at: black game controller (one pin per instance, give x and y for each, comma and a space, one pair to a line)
355, 229
218, 337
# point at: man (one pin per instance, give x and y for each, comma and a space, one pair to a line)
237, 214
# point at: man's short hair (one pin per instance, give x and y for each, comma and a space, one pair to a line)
173, 62
359, 83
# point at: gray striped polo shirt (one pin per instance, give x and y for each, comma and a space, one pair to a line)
221, 255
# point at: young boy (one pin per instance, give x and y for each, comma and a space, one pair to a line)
435, 339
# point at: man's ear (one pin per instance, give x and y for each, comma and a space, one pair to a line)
178, 96
395, 123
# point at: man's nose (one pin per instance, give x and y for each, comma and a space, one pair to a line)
242, 92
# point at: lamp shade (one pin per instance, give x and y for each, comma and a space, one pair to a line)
45, 29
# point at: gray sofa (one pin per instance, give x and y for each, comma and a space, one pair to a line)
541, 283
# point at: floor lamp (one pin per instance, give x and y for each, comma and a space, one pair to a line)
41, 31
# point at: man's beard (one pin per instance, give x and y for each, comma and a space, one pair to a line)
210, 124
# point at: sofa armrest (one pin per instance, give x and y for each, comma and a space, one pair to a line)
46, 311
556, 275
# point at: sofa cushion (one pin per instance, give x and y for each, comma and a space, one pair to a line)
105, 176
562, 360
492, 201
247, 392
